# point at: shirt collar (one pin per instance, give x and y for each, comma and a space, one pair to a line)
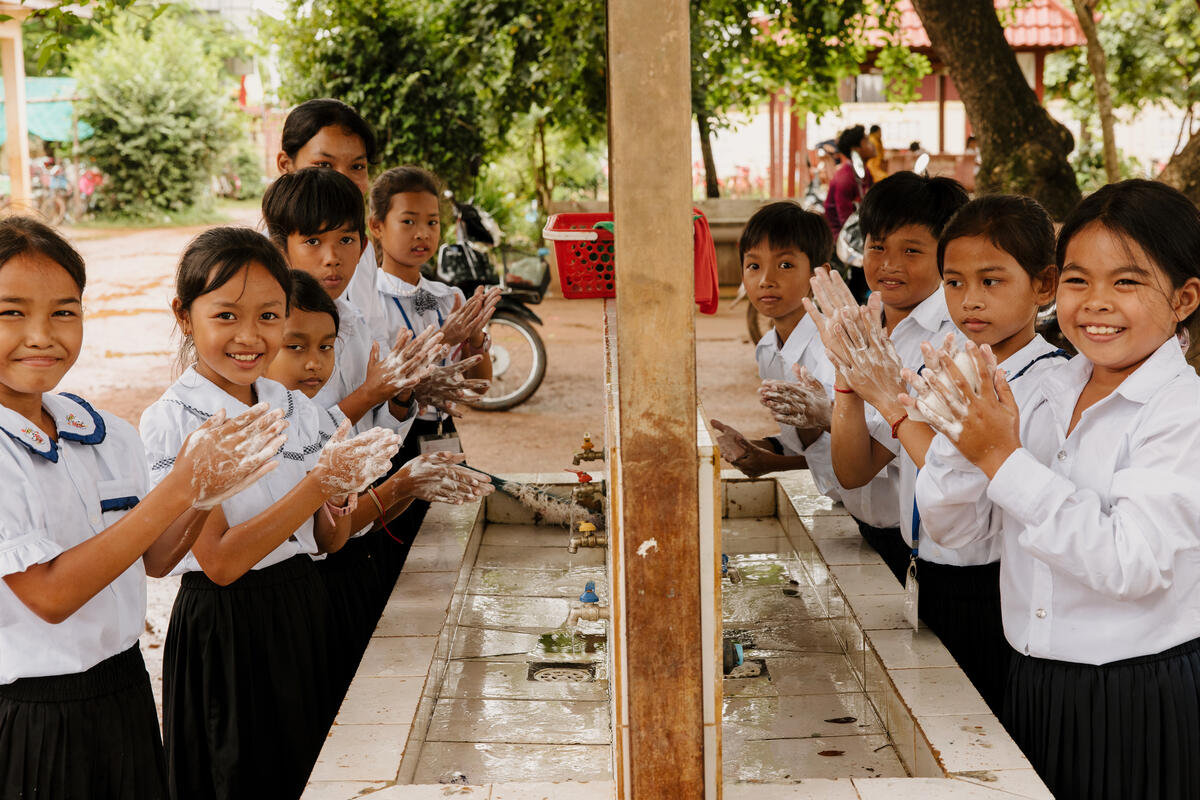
74, 420
1163, 365
794, 347
1033, 350
390, 284
931, 313
204, 398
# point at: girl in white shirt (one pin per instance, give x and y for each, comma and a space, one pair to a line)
245, 673
1088, 479
79, 530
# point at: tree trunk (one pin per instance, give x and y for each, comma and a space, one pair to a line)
1098, 64
1183, 170
711, 189
1023, 149
541, 166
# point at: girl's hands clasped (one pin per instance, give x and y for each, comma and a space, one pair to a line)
348, 465
980, 416
443, 387
410, 359
441, 478
467, 321
224, 456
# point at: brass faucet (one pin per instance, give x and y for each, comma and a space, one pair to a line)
588, 607
587, 451
588, 536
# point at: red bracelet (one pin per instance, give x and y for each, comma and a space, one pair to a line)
896, 425
843, 391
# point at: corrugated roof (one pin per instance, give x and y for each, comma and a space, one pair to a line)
1039, 24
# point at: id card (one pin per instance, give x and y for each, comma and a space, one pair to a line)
440, 443
910, 593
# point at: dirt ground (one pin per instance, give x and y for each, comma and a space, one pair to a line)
129, 353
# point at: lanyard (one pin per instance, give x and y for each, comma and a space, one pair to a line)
404, 314
916, 512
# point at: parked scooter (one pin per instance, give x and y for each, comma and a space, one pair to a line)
518, 354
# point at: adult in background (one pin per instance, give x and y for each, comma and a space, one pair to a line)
847, 187
877, 164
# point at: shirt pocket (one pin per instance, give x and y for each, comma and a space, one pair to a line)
116, 498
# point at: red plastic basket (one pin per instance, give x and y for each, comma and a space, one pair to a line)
585, 254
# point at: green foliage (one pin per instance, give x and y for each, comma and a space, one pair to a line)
1088, 162
402, 65
161, 115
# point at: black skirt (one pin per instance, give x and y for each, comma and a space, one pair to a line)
962, 606
393, 550
246, 683
889, 544
1120, 731
352, 582
92, 735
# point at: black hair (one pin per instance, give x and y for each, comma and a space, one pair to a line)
399, 180
850, 138
211, 260
311, 201
308, 118
906, 198
1017, 225
914, 146
787, 224
20, 235
876, 129
1162, 221
307, 294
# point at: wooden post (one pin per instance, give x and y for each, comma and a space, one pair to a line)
941, 103
12, 64
649, 145
793, 135
772, 161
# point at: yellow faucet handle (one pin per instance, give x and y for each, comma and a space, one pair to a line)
586, 527
587, 442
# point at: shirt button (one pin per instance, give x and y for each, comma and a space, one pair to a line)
1062, 455
1040, 613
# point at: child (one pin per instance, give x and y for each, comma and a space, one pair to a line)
352, 576
902, 217
245, 674
79, 532
406, 221
1087, 477
996, 259
329, 133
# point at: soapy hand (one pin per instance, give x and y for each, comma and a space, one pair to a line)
410, 359
468, 320
741, 452
830, 296
803, 404
347, 466
444, 386
441, 478
866, 358
967, 398
224, 456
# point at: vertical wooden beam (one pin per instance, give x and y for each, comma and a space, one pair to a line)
772, 162
941, 103
1039, 80
12, 64
793, 135
649, 146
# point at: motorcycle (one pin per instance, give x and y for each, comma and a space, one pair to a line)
518, 353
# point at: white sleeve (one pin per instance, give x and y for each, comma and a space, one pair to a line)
952, 494
381, 416
24, 538
1125, 544
162, 432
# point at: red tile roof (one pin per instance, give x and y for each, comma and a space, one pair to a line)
1039, 24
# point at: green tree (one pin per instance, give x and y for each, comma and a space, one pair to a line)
160, 112
403, 66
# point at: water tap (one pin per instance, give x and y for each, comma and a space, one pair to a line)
586, 493
732, 572
587, 451
588, 536
588, 608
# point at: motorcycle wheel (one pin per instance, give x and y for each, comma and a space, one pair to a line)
518, 363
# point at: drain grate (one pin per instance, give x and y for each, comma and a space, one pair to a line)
561, 672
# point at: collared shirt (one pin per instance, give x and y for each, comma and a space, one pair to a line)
362, 294
874, 503
191, 400
1027, 362
58, 495
352, 353
1100, 553
397, 301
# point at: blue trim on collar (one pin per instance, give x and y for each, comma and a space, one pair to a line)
119, 503
51, 453
96, 436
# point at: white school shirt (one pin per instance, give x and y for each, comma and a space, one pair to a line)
1036, 356
352, 353
362, 294
874, 503
191, 400
58, 495
1099, 530
397, 304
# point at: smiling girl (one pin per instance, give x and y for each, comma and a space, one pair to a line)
1088, 480
245, 672
79, 531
